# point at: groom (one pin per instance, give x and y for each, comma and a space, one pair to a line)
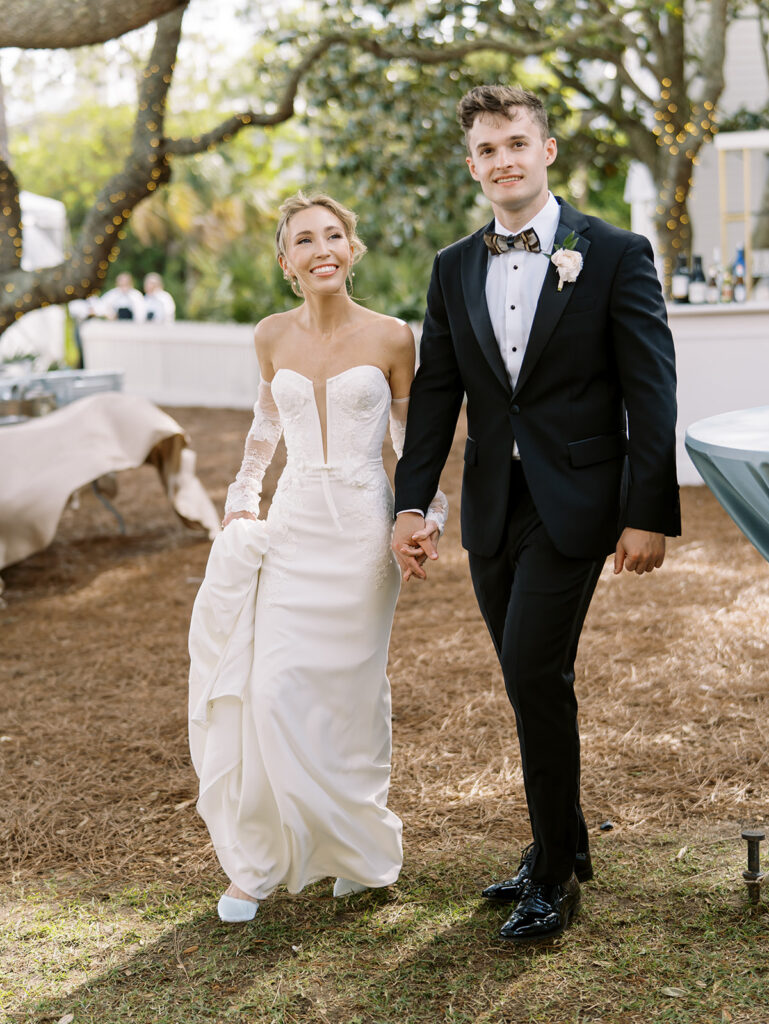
553, 324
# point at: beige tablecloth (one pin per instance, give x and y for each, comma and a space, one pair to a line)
46, 459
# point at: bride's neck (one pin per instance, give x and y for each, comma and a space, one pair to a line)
325, 314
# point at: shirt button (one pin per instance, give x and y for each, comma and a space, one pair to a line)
512, 307
515, 349
515, 267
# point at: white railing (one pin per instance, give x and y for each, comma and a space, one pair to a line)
181, 363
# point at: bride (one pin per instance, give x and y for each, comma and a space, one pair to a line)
289, 700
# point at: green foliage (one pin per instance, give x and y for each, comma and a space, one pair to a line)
745, 120
390, 142
380, 135
71, 155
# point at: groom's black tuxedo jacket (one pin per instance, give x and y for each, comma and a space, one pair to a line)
593, 410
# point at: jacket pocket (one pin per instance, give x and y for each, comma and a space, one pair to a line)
597, 449
471, 452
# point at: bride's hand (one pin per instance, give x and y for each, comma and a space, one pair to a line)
430, 532
237, 515
425, 542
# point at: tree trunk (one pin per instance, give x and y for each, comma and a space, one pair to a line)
674, 235
48, 24
10, 223
4, 151
146, 167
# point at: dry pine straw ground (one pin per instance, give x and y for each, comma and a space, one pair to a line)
673, 684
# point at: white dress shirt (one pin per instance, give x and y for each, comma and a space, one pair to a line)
513, 282
129, 300
159, 306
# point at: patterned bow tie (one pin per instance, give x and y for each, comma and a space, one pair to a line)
526, 240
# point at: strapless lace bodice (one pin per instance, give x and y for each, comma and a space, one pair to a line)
357, 406
357, 413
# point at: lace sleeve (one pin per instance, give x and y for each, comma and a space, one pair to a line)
439, 506
262, 439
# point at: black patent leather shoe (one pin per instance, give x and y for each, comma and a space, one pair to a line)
511, 890
544, 911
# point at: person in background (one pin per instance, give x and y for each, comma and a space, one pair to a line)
81, 310
159, 304
124, 302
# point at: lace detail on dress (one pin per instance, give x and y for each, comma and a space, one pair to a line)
438, 510
244, 493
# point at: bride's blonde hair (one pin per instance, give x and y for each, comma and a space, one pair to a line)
298, 202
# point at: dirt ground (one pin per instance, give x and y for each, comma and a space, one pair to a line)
673, 683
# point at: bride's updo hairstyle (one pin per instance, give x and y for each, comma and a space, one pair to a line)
295, 204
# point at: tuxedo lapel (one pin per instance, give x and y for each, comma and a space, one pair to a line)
552, 303
473, 271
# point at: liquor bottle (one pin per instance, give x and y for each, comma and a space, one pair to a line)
740, 291
713, 291
727, 286
679, 284
698, 286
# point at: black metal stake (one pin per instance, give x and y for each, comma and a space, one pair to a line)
754, 874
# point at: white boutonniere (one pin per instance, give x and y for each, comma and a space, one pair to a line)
567, 261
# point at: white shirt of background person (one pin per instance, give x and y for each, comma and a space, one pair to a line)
124, 302
84, 309
159, 305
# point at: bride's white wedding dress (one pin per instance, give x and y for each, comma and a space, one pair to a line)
289, 698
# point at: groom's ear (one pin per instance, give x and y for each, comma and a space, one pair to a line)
551, 151
471, 165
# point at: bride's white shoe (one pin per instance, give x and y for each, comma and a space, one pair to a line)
234, 911
344, 887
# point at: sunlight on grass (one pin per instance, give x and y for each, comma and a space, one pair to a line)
662, 936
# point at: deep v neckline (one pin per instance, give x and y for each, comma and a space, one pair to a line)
319, 388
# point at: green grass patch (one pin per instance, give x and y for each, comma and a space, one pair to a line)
658, 939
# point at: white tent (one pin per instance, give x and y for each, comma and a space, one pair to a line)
41, 332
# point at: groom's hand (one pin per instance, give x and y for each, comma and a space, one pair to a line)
639, 551
414, 541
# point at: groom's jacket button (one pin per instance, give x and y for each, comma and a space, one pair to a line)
514, 409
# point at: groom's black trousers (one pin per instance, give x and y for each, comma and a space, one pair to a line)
534, 601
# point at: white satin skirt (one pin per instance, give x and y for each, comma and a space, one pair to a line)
290, 709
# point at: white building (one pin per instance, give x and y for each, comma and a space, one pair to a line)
41, 332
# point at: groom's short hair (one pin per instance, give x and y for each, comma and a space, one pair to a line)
499, 100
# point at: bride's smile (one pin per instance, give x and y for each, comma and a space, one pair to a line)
318, 252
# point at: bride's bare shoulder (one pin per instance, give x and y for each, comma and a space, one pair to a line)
274, 324
268, 335
390, 328
273, 327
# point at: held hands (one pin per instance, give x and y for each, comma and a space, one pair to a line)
414, 541
639, 551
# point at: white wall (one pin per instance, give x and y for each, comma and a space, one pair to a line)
180, 363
